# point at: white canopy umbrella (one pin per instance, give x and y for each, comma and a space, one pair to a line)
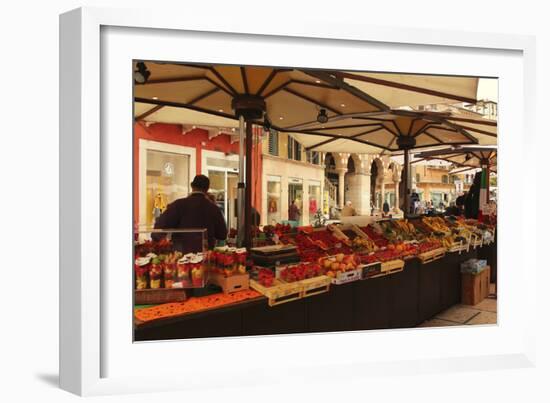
397, 90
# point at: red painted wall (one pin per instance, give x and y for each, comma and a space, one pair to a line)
172, 134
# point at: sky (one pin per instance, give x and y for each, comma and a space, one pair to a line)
488, 89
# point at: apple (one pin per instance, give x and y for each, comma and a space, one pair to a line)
335, 266
339, 257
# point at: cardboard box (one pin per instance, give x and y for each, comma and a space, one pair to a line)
475, 287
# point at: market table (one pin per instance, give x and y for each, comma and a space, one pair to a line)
401, 300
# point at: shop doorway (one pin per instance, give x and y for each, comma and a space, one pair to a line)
223, 186
295, 195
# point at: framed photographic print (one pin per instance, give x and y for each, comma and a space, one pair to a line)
288, 198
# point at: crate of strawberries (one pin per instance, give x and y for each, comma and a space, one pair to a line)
310, 276
277, 292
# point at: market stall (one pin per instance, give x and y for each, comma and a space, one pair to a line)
389, 274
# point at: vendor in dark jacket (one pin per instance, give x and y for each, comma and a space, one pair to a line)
194, 211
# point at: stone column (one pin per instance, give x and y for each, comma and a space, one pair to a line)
382, 193
341, 162
341, 186
397, 181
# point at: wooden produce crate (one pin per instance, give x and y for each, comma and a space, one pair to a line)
475, 287
153, 296
338, 234
354, 228
371, 270
432, 255
491, 239
279, 293
392, 266
236, 282
476, 241
315, 285
459, 247
347, 276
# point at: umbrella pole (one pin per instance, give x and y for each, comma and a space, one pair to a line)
241, 186
406, 168
248, 188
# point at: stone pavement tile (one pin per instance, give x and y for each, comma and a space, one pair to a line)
457, 313
437, 323
483, 318
488, 304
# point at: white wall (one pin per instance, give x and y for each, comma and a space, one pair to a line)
286, 169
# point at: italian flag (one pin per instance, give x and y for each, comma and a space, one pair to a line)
484, 191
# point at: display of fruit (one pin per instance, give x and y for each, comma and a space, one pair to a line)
338, 263
352, 235
404, 229
155, 272
265, 277
227, 260
162, 246
429, 245
387, 255
436, 224
300, 272
141, 268
375, 233
362, 244
311, 255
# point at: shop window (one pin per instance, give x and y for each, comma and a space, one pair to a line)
167, 179
294, 150
313, 157
445, 179
314, 200
273, 200
273, 145
417, 178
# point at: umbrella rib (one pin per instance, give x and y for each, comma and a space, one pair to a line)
389, 145
218, 86
334, 119
268, 80
411, 126
202, 96
476, 121
330, 135
149, 112
245, 81
427, 125
306, 98
344, 138
223, 80
277, 89
320, 85
172, 80
407, 87
344, 127
433, 137
181, 105
330, 77
477, 130
396, 133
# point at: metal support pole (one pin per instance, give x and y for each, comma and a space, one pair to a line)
406, 168
248, 188
241, 186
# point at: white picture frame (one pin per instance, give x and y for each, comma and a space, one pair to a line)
91, 350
